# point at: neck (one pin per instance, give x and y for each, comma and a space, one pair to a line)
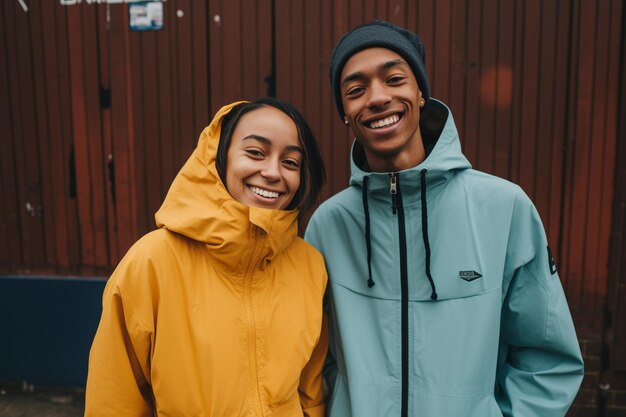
396, 162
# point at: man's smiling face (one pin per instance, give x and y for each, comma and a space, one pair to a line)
381, 100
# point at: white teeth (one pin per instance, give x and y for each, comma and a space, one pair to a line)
264, 193
376, 124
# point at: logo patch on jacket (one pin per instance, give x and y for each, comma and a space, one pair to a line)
469, 276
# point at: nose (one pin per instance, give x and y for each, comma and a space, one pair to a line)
271, 170
379, 96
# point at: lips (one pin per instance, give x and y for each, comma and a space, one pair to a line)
264, 193
384, 122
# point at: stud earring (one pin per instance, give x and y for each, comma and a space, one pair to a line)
422, 102
345, 121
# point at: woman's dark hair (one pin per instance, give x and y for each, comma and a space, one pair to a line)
312, 173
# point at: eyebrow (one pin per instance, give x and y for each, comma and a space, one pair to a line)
266, 141
382, 67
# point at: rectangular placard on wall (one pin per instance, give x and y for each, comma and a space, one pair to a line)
147, 15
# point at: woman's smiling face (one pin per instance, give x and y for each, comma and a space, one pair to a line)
264, 159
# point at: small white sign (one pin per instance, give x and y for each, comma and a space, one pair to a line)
146, 15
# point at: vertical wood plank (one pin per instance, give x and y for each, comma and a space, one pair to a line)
559, 128
11, 246
123, 131
504, 95
545, 105
200, 67
472, 94
94, 142
27, 152
488, 86
458, 68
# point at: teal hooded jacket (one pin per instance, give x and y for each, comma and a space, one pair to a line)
443, 296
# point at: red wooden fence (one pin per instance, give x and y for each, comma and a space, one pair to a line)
95, 119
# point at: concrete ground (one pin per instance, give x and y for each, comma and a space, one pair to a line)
22, 399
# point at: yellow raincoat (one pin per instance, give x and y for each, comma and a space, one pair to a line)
218, 313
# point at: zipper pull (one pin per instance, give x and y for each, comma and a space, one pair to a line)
393, 189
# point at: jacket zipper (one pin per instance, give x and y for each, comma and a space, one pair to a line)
397, 208
254, 259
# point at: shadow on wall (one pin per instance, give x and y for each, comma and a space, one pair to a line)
46, 328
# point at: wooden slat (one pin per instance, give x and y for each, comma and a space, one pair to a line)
95, 156
504, 96
296, 93
543, 192
472, 93
396, 12
138, 146
10, 245
123, 131
248, 26
57, 153
27, 150
439, 76
530, 99
80, 136
231, 59
571, 285
616, 335
200, 68
283, 51
264, 44
151, 138
41, 117
188, 136
327, 106
581, 152
108, 159
216, 74
488, 86
518, 91
559, 131
603, 140
65, 100
167, 107
458, 69
314, 74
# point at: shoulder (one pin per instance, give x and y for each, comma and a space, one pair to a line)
483, 182
490, 190
155, 252
307, 260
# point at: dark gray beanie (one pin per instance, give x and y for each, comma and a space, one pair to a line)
379, 34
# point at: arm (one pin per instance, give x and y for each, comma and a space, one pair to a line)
118, 379
540, 366
311, 388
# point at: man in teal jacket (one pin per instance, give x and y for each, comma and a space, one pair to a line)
443, 296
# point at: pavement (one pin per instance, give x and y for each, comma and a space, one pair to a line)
23, 399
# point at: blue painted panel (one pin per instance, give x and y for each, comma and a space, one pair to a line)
46, 327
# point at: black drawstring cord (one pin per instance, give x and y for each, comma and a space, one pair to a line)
368, 241
433, 296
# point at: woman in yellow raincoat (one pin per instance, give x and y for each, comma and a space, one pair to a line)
218, 312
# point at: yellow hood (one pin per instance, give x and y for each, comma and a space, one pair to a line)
199, 206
